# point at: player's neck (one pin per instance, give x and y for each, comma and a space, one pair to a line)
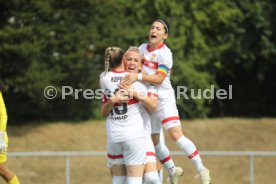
119, 69
152, 46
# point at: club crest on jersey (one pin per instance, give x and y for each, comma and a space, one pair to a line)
152, 58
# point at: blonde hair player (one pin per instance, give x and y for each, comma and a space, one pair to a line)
158, 63
133, 63
7, 175
125, 128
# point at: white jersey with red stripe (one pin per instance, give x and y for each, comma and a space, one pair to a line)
158, 60
125, 121
145, 90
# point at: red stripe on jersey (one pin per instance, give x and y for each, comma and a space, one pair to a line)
150, 153
116, 71
154, 94
170, 119
150, 64
104, 99
193, 154
158, 47
114, 156
166, 159
130, 102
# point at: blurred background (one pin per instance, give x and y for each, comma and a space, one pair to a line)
214, 42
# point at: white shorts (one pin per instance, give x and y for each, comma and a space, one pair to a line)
132, 152
166, 115
150, 151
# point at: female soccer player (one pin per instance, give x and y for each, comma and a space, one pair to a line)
157, 66
7, 175
133, 63
125, 128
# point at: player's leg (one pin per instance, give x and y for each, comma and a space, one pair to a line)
160, 172
162, 151
116, 163
151, 172
7, 175
172, 123
118, 174
135, 159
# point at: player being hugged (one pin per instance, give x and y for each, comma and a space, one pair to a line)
157, 65
125, 126
133, 63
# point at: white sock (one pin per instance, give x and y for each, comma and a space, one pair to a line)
151, 178
190, 150
119, 179
163, 154
160, 175
134, 180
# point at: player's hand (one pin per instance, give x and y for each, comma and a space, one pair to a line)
3, 146
121, 96
130, 78
123, 85
128, 88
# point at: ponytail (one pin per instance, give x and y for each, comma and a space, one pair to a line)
113, 58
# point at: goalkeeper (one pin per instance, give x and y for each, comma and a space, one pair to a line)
7, 175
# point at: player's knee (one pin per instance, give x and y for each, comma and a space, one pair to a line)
175, 133
3, 169
151, 178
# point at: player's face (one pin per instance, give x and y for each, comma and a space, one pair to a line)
157, 34
133, 61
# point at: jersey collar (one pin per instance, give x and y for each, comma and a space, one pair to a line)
158, 47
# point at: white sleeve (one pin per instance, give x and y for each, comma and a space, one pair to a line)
165, 58
140, 87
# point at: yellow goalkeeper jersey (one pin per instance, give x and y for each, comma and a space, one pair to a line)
3, 114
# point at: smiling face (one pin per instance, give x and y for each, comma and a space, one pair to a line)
157, 34
133, 61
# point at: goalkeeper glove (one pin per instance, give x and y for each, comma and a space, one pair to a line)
3, 146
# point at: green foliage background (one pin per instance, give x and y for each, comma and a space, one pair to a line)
214, 42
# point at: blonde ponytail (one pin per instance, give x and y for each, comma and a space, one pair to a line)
107, 59
113, 58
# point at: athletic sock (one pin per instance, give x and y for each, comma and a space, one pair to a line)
163, 154
151, 177
134, 180
188, 147
160, 175
119, 179
14, 180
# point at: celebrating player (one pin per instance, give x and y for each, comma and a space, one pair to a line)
125, 126
133, 63
7, 175
157, 66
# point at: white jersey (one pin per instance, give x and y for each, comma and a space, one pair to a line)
125, 121
158, 60
146, 90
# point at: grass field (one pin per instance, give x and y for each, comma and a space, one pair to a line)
227, 134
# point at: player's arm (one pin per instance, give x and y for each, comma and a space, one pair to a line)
156, 79
3, 124
149, 101
107, 104
3, 114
